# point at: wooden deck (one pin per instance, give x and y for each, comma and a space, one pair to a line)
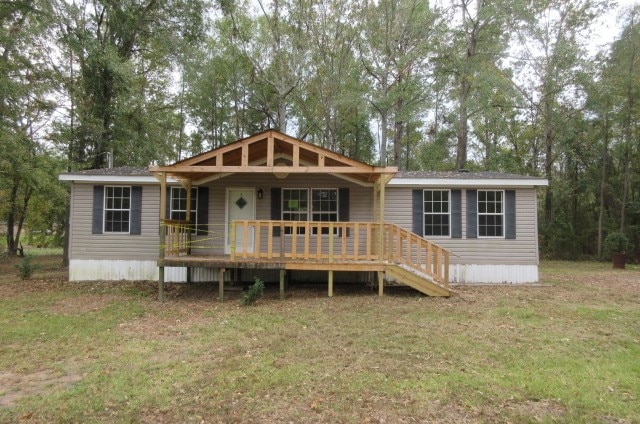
387, 249
226, 262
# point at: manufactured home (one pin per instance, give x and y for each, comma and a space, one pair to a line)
279, 208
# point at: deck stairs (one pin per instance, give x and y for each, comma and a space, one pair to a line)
404, 274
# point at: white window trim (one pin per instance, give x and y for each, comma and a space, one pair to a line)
194, 212
104, 210
490, 214
448, 236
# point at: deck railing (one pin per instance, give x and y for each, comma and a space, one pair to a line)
319, 242
177, 237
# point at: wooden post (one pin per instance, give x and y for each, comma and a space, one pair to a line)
330, 283
163, 216
282, 284
383, 183
232, 240
380, 283
221, 284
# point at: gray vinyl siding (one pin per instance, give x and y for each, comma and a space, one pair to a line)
359, 201
84, 245
483, 251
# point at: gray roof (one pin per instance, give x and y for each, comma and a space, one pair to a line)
120, 171
463, 175
124, 171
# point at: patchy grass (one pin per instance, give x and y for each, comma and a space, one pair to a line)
109, 352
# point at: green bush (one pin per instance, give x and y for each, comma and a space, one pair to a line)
26, 268
616, 242
254, 293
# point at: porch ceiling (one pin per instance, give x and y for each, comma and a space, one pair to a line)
272, 152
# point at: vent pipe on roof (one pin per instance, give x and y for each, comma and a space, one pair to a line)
110, 158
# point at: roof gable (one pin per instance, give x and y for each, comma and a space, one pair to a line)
272, 152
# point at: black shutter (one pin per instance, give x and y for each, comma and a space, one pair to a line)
510, 214
343, 206
98, 209
418, 211
135, 219
203, 211
276, 208
472, 213
456, 214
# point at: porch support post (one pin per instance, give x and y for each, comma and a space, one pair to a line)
163, 202
330, 283
221, 284
383, 183
380, 283
282, 272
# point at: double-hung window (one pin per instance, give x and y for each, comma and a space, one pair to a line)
295, 206
316, 204
437, 212
117, 209
490, 213
178, 210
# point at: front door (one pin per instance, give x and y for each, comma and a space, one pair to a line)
241, 205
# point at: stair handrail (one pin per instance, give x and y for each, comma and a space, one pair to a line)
405, 247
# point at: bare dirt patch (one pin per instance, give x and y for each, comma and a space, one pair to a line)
82, 304
16, 386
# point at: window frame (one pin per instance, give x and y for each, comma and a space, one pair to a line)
105, 209
448, 214
194, 212
501, 214
310, 210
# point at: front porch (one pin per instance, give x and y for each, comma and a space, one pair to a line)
389, 251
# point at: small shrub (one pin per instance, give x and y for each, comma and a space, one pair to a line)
26, 268
616, 242
254, 293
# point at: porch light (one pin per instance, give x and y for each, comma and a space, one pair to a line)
260, 193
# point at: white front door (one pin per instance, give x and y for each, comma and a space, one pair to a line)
241, 205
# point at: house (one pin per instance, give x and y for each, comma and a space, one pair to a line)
271, 205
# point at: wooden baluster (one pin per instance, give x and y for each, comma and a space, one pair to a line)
294, 239
245, 239
356, 241
307, 236
318, 228
232, 240
343, 239
270, 240
331, 242
368, 240
257, 225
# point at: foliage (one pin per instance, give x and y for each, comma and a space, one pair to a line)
26, 267
616, 242
254, 292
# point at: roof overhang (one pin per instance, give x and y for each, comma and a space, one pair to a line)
120, 179
469, 182
272, 152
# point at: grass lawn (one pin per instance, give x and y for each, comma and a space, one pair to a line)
568, 351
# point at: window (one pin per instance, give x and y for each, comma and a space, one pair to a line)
436, 212
178, 210
117, 209
490, 213
295, 206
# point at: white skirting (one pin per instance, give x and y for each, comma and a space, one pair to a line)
493, 274
116, 270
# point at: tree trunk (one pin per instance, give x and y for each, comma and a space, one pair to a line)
603, 179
